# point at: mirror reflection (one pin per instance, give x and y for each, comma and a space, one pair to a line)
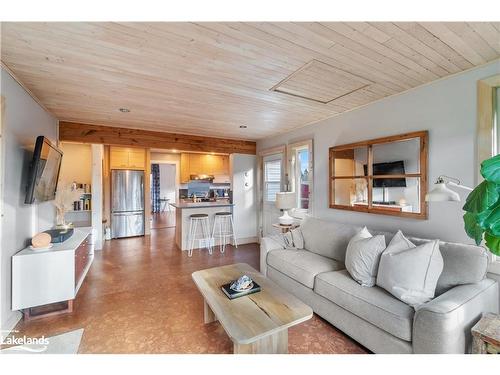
382, 176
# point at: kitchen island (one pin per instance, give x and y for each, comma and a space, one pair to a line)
185, 209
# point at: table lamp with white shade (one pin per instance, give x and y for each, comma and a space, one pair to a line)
285, 201
442, 192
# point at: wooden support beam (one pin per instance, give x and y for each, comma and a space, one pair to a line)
110, 135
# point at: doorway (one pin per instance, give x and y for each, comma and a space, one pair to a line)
164, 187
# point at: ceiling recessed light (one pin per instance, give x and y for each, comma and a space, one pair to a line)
124, 110
243, 126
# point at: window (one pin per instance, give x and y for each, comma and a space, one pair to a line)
496, 121
488, 121
272, 179
496, 139
300, 176
385, 176
303, 179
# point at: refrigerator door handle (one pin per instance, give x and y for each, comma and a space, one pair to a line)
129, 213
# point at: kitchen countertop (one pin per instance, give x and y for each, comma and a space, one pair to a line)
182, 205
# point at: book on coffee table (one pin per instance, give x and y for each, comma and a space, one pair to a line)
232, 294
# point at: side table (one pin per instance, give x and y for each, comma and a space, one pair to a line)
285, 228
486, 335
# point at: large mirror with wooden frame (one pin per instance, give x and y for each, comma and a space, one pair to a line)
384, 176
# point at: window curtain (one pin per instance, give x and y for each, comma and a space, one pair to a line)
155, 187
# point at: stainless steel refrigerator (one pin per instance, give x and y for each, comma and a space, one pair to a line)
127, 203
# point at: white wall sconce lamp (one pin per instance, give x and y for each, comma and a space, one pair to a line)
441, 191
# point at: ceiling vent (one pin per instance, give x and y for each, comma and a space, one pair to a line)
320, 82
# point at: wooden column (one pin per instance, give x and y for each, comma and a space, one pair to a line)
106, 180
147, 194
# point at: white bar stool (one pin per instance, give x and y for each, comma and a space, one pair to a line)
164, 204
204, 222
223, 221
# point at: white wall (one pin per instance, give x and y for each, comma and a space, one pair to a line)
446, 108
164, 158
24, 120
76, 164
244, 187
168, 187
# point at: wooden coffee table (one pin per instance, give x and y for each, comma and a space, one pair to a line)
257, 323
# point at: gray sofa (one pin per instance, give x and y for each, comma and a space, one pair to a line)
371, 316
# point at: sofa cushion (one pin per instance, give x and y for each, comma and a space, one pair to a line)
409, 272
374, 304
363, 256
298, 240
463, 264
327, 238
301, 265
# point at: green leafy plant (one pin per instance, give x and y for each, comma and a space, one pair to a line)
482, 216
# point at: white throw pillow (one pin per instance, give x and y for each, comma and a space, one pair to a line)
410, 273
363, 255
297, 238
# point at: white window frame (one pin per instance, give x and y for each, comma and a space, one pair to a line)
293, 173
281, 149
495, 264
488, 132
266, 181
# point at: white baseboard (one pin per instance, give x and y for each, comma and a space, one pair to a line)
243, 241
9, 325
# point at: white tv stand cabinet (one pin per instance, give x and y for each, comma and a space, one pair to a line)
46, 277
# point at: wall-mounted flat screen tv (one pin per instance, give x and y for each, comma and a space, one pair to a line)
44, 172
395, 167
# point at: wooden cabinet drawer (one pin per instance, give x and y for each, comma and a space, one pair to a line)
82, 257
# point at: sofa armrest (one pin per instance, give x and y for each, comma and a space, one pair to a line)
266, 245
444, 324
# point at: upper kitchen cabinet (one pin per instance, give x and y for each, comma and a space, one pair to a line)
127, 158
216, 165
184, 168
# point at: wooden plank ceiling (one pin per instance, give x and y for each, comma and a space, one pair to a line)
211, 78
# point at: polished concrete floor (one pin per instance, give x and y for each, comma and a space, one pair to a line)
139, 298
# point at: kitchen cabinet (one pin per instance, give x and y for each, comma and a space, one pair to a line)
195, 164
216, 165
127, 158
184, 168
